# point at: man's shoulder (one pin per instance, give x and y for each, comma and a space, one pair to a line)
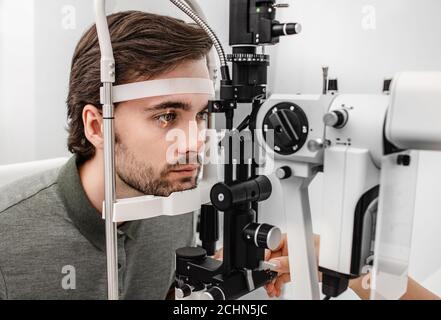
32, 214
25, 192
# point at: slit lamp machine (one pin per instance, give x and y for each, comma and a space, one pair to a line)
366, 146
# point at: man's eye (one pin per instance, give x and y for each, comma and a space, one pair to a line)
203, 115
166, 119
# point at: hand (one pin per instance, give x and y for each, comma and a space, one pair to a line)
279, 257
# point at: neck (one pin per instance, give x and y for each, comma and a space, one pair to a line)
92, 179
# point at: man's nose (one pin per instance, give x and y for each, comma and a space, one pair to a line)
194, 139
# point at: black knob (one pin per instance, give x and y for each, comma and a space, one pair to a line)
284, 122
209, 228
223, 197
333, 85
289, 124
188, 254
386, 85
262, 235
286, 29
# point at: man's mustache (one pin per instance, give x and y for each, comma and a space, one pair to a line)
188, 159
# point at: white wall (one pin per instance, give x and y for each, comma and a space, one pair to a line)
362, 41
17, 85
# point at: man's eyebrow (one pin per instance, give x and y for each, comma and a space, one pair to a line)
169, 105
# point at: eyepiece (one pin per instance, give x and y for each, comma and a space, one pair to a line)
286, 29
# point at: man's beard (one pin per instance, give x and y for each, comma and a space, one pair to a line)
141, 177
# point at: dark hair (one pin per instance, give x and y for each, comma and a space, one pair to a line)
144, 45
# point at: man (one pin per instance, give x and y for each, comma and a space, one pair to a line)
52, 234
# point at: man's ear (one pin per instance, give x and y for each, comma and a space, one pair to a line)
93, 124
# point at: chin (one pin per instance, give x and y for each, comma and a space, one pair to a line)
179, 185
186, 186
183, 186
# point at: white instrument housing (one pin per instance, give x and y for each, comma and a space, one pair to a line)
351, 169
303, 166
413, 123
413, 120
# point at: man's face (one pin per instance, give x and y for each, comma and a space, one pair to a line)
145, 160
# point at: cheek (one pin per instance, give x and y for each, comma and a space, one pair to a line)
144, 141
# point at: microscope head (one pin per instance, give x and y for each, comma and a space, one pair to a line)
413, 120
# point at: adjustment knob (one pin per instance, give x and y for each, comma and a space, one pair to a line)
283, 173
214, 293
186, 255
183, 291
336, 119
223, 196
249, 57
316, 145
289, 124
263, 235
286, 29
333, 86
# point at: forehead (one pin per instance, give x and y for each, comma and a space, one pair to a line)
188, 69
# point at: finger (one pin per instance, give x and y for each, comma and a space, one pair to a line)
317, 241
281, 264
219, 255
274, 255
267, 254
269, 289
284, 278
280, 283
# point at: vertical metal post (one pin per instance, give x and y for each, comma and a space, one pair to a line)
109, 188
108, 78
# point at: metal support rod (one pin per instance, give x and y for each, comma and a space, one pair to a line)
109, 186
108, 78
211, 57
227, 264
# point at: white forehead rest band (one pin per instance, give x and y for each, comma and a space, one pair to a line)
162, 87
